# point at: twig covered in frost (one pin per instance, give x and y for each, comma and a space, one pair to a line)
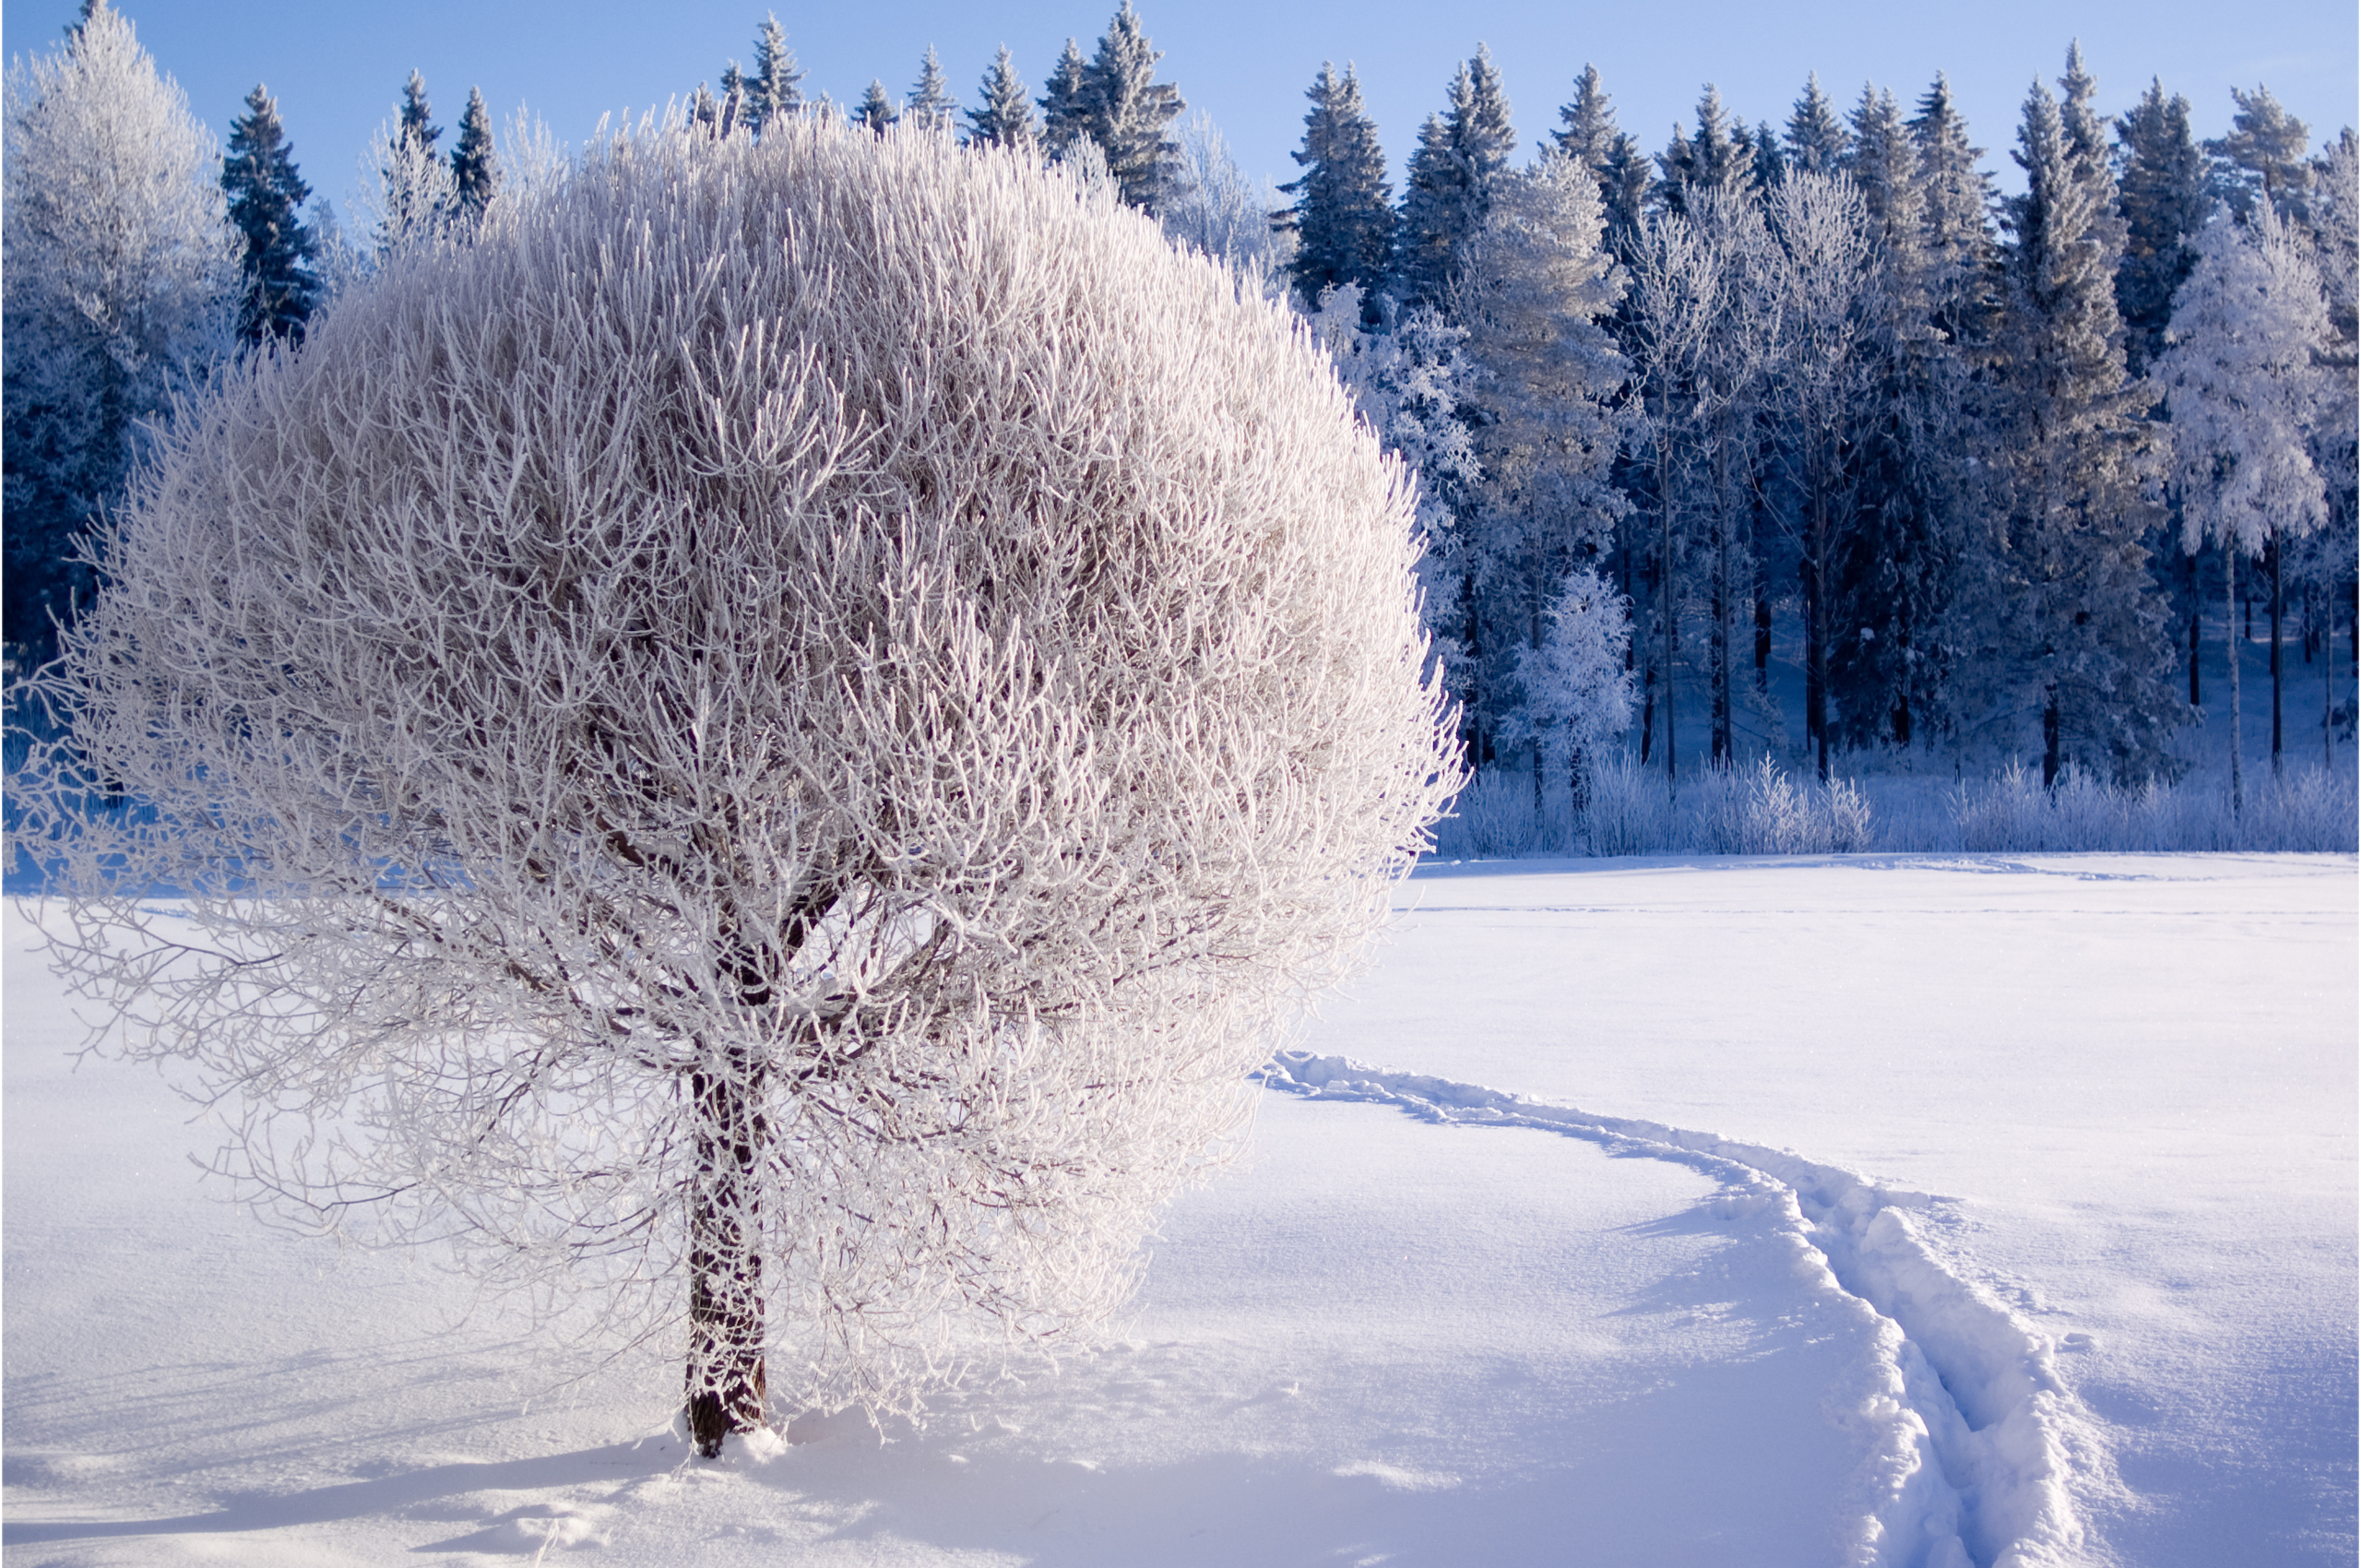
776, 734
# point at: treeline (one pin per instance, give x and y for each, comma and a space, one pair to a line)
1993, 464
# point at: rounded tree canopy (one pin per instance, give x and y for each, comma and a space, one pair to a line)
852, 623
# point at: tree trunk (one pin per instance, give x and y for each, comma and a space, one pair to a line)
726, 1391
2196, 614
2277, 608
1663, 496
2230, 637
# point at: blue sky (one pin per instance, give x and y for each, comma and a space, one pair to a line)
337, 69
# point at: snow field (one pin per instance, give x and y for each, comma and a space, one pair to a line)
2027, 1236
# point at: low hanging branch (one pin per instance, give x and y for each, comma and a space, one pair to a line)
772, 735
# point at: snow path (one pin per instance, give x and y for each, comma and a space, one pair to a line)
1976, 1471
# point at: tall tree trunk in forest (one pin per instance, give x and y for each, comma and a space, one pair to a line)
2230, 639
1664, 493
2196, 614
2278, 609
726, 1390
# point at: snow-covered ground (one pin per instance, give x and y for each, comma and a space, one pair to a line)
1896, 1209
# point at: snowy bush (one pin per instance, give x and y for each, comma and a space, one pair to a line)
773, 736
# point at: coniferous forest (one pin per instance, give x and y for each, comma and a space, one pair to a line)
1793, 439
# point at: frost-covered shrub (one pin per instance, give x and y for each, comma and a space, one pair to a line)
774, 735
1628, 812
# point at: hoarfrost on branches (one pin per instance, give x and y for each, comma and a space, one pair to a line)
776, 733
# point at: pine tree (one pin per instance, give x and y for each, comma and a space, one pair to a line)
877, 109
414, 196
1005, 116
2164, 204
2263, 154
1715, 158
266, 196
121, 286
1957, 197
475, 170
2243, 379
774, 89
1586, 131
1126, 111
930, 104
1818, 142
1065, 109
1343, 212
1460, 154
2073, 622
1770, 159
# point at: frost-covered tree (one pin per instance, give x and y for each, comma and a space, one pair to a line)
2243, 381
930, 104
1211, 206
2265, 154
475, 168
775, 88
1586, 131
1344, 212
119, 284
2071, 624
266, 195
1534, 284
876, 111
2165, 200
1818, 141
1961, 259
1720, 157
414, 196
1576, 690
1821, 273
1004, 116
1065, 109
1461, 152
1127, 111
805, 829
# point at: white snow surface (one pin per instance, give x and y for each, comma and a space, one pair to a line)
1865, 1210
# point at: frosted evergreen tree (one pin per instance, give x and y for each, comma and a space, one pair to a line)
1535, 283
1960, 261
265, 197
414, 196
1719, 157
2332, 557
1629, 175
2264, 154
1461, 152
119, 289
1770, 159
877, 110
1065, 110
775, 88
2242, 379
1126, 111
1344, 210
930, 104
2072, 623
1576, 691
475, 169
1003, 116
1817, 142
1586, 131
2165, 200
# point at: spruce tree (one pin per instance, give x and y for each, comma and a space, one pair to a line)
417, 127
475, 170
1818, 142
1958, 204
1460, 154
877, 109
1005, 116
1586, 130
2073, 629
2263, 154
415, 194
1126, 109
774, 89
1065, 110
1719, 158
1343, 213
2164, 204
266, 195
930, 104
